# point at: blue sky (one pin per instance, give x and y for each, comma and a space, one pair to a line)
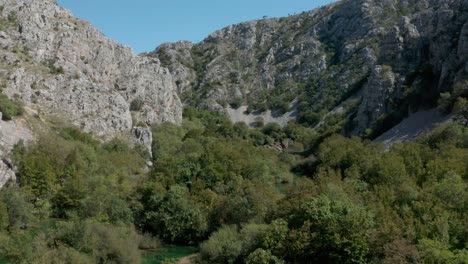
144, 24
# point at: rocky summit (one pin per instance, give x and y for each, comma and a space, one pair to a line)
361, 66
376, 60
369, 62
58, 64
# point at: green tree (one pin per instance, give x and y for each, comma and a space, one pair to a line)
223, 246
261, 256
37, 175
104, 243
19, 210
9, 108
4, 219
275, 236
175, 218
340, 231
435, 252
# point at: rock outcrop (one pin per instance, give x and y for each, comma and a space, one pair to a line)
6, 174
58, 64
144, 137
62, 67
392, 57
10, 134
396, 56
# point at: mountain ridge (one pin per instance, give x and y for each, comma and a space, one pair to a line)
96, 165
62, 68
66, 65
356, 67
390, 53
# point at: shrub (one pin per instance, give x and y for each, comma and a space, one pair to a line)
261, 256
11, 20
273, 130
174, 217
339, 230
460, 110
16, 207
136, 104
444, 104
60, 255
72, 133
308, 118
38, 175
259, 122
104, 243
279, 104
275, 236
236, 103
223, 246
437, 252
52, 68
257, 138
116, 145
147, 241
252, 235
9, 108
112, 244
4, 221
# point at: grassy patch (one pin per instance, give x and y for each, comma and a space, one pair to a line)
8, 23
9, 108
50, 64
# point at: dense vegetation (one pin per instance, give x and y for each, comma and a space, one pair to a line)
268, 195
9, 108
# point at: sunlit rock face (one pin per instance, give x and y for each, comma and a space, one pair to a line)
59, 64
380, 52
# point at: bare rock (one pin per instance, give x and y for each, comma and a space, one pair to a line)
378, 89
143, 136
6, 174
59, 64
11, 133
325, 56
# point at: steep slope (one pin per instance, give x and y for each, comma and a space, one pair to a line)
11, 133
412, 127
393, 56
58, 64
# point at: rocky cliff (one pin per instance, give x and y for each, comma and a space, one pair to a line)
10, 134
58, 64
376, 61
391, 57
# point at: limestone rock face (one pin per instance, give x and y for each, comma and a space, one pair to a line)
385, 53
6, 174
11, 133
143, 136
59, 64
178, 57
378, 89
391, 57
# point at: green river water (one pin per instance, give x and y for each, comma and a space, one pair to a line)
157, 256
168, 252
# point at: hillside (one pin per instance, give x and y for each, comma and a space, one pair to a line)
58, 67
58, 64
392, 57
339, 135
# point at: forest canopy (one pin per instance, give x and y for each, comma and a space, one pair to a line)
265, 195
